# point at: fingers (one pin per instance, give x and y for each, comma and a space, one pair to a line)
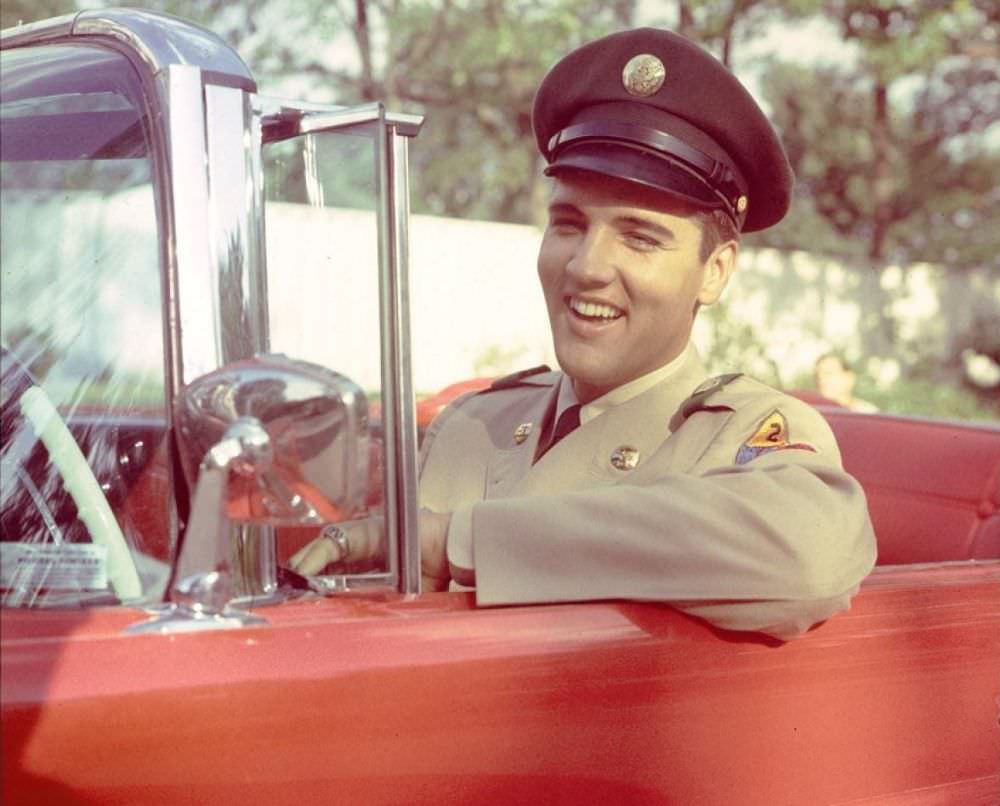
432, 584
360, 541
365, 543
313, 557
433, 529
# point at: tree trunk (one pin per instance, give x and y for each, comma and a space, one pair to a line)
362, 35
685, 19
624, 13
882, 181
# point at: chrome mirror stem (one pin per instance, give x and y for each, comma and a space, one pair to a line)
203, 580
203, 583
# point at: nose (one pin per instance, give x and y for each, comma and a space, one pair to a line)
592, 262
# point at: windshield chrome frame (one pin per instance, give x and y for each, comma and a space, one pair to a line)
399, 402
208, 130
283, 119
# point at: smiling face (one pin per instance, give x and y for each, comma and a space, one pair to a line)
622, 277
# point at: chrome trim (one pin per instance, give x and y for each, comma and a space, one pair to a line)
410, 560
255, 224
171, 618
203, 579
158, 39
158, 100
202, 588
329, 584
254, 561
241, 322
283, 119
34, 33
311, 122
398, 401
198, 352
161, 40
297, 435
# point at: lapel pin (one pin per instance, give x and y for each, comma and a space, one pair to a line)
521, 432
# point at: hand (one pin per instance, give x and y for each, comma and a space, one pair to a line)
433, 530
315, 556
364, 544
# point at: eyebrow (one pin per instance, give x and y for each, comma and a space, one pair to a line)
621, 222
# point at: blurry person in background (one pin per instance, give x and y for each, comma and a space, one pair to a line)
835, 380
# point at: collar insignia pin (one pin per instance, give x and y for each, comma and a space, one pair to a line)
624, 458
643, 75
708, 386
521, 432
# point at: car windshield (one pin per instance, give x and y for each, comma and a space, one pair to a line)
84, 486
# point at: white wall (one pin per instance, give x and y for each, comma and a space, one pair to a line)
475, 296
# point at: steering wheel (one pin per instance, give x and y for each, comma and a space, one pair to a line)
77, 477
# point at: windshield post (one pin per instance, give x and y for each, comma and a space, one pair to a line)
397, 384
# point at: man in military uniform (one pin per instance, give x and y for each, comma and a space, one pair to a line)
631, 474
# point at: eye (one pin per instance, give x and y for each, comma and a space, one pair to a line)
641, 242
565, 225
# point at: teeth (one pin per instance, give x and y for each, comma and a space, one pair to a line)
594, 310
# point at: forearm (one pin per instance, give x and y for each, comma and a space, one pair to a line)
789, 535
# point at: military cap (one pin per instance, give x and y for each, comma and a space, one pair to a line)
651, 107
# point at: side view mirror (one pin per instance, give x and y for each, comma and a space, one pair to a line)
293, 433
268, 441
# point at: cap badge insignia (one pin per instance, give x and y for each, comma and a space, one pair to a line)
771, 435
521, 432
643, 75
741, 204
624, 458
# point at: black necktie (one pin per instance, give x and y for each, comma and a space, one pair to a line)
568, 421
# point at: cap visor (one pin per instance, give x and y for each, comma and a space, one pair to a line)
638, 166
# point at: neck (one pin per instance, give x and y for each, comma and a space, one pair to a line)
587, 393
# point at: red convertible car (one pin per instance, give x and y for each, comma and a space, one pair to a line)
161, 456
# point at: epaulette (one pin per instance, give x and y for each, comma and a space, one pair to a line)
515, 378
698, 397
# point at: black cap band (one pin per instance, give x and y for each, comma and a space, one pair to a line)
716, 177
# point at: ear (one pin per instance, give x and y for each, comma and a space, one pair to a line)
718, 269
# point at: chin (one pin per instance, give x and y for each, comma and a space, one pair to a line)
583, 373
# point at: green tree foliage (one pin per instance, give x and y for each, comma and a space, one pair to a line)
473, 68
15, 12
898, 154
718, 24
889, 151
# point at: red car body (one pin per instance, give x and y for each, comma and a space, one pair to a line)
383, 700
388, 696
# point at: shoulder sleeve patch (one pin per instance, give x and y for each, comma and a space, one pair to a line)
704, 391
514, 379
771, 435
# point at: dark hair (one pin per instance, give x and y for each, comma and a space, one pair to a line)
716, 228
844, 364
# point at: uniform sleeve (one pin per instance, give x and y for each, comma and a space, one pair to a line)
775, 544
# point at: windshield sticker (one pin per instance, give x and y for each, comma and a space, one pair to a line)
68, 566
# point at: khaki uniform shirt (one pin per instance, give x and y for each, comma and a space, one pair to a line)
727, 501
